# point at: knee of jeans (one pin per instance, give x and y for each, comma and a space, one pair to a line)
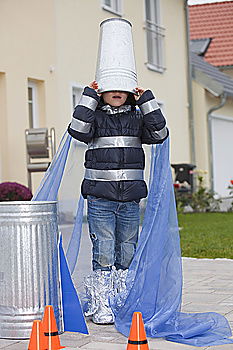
104, 252
125, 253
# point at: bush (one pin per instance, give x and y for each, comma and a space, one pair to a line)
13, 191
201, 201
230, 187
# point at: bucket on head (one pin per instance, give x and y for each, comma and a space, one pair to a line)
29, 269
116, 70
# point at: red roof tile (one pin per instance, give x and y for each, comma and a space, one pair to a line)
214, 20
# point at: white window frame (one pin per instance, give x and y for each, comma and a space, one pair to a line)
76, 87
34, 102
155, 34
147, 148
161, 106
76, 92
115, 7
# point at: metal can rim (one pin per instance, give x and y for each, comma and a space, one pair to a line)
115, 19
27, 202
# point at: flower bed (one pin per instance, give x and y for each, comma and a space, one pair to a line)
13, 191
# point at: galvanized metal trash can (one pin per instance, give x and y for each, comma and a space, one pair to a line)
29, 268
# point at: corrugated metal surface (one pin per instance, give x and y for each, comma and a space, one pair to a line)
29, 274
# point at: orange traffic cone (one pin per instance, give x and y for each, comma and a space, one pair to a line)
37, 339
137, 336
49, 326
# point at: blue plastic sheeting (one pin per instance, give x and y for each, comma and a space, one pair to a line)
74, 244
73, 317
154, 281
72, 312
50, 184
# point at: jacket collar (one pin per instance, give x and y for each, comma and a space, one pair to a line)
114, 110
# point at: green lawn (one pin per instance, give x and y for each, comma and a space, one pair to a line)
206, 235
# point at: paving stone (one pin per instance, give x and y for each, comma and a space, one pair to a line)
72, 335
21, 345
120, 340
7, 342
204, 298
223, 290
195, 307
207, 288
229, 316
200, 289
168, 345
74, 342
104, 346
221, 347
228, 300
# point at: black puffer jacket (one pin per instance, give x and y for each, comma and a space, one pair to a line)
115, 160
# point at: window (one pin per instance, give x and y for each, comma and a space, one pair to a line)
154, 36
113, 6
76, 95
32, 105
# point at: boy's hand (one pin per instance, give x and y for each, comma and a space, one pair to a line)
139, 91
94, 85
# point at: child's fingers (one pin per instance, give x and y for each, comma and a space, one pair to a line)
140, 90
93, 85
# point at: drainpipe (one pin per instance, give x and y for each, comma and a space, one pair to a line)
189, 88
223, 97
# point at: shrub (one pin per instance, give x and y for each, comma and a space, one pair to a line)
13, 191
230, 187
201, 201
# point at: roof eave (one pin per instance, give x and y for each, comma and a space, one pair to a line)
211, 85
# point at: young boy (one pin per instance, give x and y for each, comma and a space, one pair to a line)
113, 182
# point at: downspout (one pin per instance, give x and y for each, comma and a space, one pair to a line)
223, 97
189, 88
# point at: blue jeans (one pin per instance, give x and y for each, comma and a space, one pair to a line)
113, 228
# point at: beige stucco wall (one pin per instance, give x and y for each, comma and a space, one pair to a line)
27, 50
201, 127
171, 87
55, 43
3, 127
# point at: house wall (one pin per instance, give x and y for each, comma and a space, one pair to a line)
27, 31
201, 130
3, 128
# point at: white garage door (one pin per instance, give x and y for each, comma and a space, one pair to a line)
222, 148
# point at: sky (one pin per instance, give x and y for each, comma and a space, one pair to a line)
198, 2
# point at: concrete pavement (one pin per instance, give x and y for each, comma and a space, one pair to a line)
208, 286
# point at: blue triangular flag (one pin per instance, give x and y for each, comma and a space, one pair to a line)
74, 320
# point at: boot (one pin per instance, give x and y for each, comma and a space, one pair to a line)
99, 286
91, 301
120, 280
